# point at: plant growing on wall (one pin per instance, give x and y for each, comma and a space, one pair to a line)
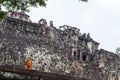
118, 51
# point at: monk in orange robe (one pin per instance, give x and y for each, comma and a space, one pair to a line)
28, 64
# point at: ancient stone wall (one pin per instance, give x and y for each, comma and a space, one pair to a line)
65, 50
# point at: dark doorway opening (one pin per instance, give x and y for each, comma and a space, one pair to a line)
84, 57
75, 54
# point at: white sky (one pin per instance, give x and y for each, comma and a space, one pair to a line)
98, 17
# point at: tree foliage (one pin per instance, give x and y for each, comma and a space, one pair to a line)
22, 5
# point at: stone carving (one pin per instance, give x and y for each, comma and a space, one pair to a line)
43, 21
88, 36
51, 23
19, 15
84, 35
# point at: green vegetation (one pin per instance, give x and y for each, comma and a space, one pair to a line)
22, 5
118, 51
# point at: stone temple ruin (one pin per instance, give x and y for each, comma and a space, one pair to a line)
65, 50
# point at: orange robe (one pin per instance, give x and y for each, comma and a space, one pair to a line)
28, 64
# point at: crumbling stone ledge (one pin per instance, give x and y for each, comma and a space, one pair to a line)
36, 73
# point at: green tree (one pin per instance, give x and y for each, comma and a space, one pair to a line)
118, 51
22, 5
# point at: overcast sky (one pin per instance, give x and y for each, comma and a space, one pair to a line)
101, 18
